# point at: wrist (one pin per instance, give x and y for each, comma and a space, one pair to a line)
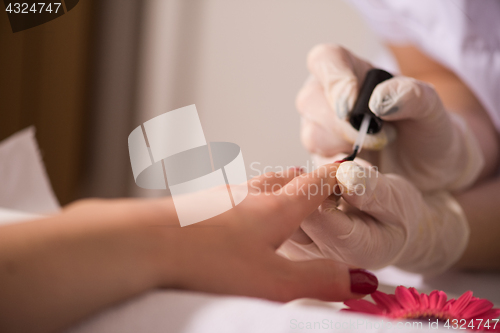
439, 238
156, 220
132, 238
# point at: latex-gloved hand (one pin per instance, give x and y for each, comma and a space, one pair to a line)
424, 143
382, 220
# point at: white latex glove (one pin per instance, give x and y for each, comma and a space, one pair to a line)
422, 141
382, 220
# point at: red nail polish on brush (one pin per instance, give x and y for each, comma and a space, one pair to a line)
362, 281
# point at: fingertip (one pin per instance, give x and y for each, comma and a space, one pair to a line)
403, 98
382, 100
296, 171
348, 174
328, 172
334, 164
318, 51
356, 179
363, 282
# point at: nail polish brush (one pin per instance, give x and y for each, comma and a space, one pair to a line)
361, 117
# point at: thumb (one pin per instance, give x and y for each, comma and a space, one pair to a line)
416, 110
388, 198
430, 139
404, 98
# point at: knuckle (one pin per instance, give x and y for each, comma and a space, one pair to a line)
415, 91
303, 98
416, 88
318, 49
327, 48
322, 51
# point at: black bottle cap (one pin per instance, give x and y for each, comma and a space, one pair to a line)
373, 77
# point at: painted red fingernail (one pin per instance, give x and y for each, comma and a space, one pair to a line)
362, 281
339, 161
300, 170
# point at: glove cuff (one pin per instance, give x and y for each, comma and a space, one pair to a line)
441, 238
472, 161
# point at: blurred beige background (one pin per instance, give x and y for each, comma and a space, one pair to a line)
242, 64
87, 79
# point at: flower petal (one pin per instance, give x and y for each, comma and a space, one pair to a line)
415, 294
437, 299
405, 298
389, 303
476, 308
441, 300
361, 305
460, 304
424, 302
448, 304
490, 314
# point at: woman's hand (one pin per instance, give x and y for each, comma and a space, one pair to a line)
61, 269
382, 220
434, 149
235, 252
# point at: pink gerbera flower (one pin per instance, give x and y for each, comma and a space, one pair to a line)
467, 312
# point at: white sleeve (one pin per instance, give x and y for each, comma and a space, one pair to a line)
462, 35
384, 20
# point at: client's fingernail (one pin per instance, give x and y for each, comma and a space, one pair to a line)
339, 161
300, 170
357, 180
363, 282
